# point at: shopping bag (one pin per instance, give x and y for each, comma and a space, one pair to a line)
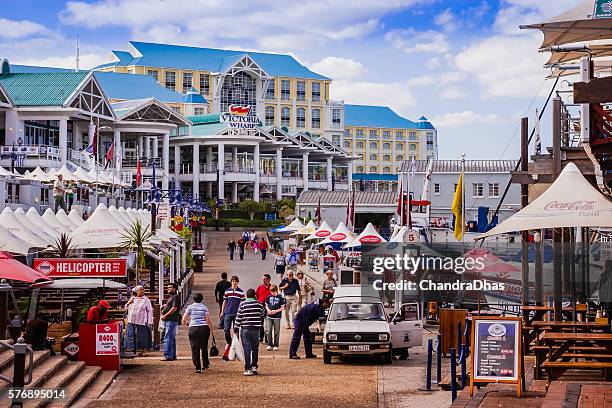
236, 350
214, 351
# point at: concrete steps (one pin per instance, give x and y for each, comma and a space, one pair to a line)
73, 390
62, 377
96, 388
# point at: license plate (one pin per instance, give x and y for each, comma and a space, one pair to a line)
359, 348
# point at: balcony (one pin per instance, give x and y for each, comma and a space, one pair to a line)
31, 156
144, 162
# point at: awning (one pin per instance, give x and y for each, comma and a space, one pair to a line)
340, 234
12, 269
368, 236
322, 232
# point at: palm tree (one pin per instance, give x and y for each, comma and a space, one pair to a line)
134, 239
62, 247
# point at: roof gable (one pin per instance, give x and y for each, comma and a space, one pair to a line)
147, 110
42, 88
90, 99
135, 86
5, 101
375, 116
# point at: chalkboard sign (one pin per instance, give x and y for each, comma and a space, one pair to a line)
496, 354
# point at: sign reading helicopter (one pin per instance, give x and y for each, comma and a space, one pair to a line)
238, 117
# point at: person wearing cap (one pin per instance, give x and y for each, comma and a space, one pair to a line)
98, 313
291, 290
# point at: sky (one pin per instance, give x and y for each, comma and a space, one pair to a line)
464, 64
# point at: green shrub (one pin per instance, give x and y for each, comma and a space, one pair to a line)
239, 222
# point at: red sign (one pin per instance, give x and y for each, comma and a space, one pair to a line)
107, 339
81, 268
337, 236
370, 239
322, 234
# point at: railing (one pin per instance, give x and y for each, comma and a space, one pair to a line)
144, 162
79, 159
31, 151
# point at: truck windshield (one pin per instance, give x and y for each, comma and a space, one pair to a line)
356, 311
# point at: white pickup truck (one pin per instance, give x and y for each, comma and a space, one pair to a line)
357, 324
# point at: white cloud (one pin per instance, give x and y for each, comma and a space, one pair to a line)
447, 20
396, 95
339, 68
452, 92
411, 41
433, 63
356, 31
465, 118
86, 61
13, 29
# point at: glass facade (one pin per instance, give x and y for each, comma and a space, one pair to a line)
239, 89
269, 115
316, 118
270, 90
300, 117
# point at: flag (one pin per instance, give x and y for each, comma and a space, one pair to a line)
427, 180
119, 156
538, 135
318, 213
108, 157
457, 209
138, 173
92, 150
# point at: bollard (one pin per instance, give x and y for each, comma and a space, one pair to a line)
453, 370
466, 332
439, 360
463, 370
459, 339
429, 351
20, 350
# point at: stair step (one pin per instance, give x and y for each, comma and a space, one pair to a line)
6, 359
96, 388
5, 349
45, 370
39, 358
61, 378
86, 376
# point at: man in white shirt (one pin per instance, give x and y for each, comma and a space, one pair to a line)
59, 188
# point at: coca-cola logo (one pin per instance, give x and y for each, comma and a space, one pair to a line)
322, 234
337, 237
578, 205
370, 239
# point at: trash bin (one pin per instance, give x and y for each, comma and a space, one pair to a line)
70, 346
198, 258
226, 227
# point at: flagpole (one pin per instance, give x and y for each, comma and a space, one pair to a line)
462, 199
96, 138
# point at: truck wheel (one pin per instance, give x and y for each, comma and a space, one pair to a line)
388, 357
326, 357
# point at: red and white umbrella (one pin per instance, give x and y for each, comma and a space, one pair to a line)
12, 269
322, 232
340, 234
368, 236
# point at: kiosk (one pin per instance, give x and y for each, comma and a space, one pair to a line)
100, 344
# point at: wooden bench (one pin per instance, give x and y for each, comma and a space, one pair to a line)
540, 353
555, 369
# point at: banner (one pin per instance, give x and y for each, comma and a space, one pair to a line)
107, 339
81, 268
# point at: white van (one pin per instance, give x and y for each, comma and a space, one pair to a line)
358, 324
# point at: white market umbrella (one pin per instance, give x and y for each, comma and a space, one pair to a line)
295, 225
322, 232
97, 178
123, 214
76, 217
115, 213
368, 236
340, 234
308, 229
571, 201
10, 242
50, 218
39, 175
16, 227
25, 220
100, 230
5, 173
399, 235
83, 176
35, 219
65, 173
63, 219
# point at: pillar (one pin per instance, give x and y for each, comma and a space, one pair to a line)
235, 159
155, 148
329, 174
177, 162
256, 168
220, 169
305, 170
234, 192
196, 170
141, 151
118, 150
209, 160
279, 173
63, 139
166, 159
209, 187
349, 173
147, 147
13, 126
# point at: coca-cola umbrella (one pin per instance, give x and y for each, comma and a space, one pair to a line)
368, 236
12, 269
322, 232
490, 263
341, 234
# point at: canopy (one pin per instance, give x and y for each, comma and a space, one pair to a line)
83, 176
340, 234
323, 231
10, 242
368, 236
294, 226
21, 216
575, 25
81, 283
569, 202
14, 270
100, 230
98, 177
65, 173
76, 217
50, 218
491, 263
39, 175
5, 173
399, 235
63, 219
118, 217
15, 226
36, 220
124, 215
308, 229
595, 50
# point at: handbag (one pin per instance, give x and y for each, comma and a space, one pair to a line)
214, 351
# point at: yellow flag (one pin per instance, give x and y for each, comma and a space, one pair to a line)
457, 208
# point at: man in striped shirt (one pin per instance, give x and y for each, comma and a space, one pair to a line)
248, 321
231, 300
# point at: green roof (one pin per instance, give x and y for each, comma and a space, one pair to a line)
207, 129
41, 88
212, 118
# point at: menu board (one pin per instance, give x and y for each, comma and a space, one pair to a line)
496, 350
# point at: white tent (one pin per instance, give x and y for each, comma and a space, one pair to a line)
63, 219
83, 176
65, 173
16, 227
115, 213
100, 230
5, 173
76, 217
308, 229
323, 231
399, 234
97, 177
368, 236
340, 234
164, 233
10, 242
50, 218
39, 175
21, 216
294, 226
571, 201
35, 219
125, 215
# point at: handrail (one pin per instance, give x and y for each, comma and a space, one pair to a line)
20, 348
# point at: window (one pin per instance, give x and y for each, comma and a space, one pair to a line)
360, 156
204, 84
374, 157
285, 90
477, 189
170, 80
270, 89
187, 81
430, 141
269, 115
413, 136
387, 157
359, 134
386, 170
493, 189
301, 117
386, 135
412, 147
177, 109
316, 118
335, 118
285, 117
360, 145
301, 90
399, 146
436, 188
359, 170
336, 140
347, 144
316, 92
373, 134
399, 135
154, 73
238, 89
387, 146
399, 157
373, 169
199, 111
373, 145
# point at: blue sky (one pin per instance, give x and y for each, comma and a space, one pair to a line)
462, 63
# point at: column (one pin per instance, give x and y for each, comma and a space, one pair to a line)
234, 192
91, 131
140, 146
63, 139
147, 147
166, 159
177, 162
305, 170
118, 150
209, 160
329, 174
196, 170
235, 159
220, 167
13, 126
350, 175
155, 148
256, 166
209, 187
279, 173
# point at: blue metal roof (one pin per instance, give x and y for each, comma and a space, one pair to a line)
135, 86
375, 116
374, 177
424, 123
210, 59
194, 97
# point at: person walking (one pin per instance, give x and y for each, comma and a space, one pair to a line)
255, 244
306, 289
171, 316
248, 323
198, 318
292, 259
59, 189
140, 321
291, 291
241, 245
275, 304
279, 265
70, 194
232, 298
307, 315
220, 289
263, 248
262, 292
329, 284
231, 247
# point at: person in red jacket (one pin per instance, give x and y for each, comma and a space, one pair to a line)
98, 313
263, 247
262, 292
